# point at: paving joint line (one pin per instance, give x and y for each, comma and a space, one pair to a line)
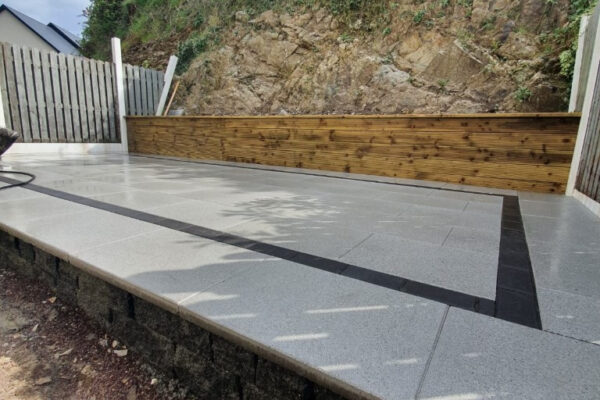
430, 358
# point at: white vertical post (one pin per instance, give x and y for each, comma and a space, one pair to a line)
575, 85
118, 62
586, 112
2, 120
165, 91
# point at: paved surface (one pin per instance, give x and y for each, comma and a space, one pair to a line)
389, 343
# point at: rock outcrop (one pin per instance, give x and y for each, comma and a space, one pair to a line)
488, 57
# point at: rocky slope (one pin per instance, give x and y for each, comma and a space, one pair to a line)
443, 56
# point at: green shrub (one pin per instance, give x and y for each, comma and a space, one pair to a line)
522, 94
567, 62
190, 49
198, 21
419, 15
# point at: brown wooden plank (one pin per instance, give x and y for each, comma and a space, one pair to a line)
535, 158
81, 94
4, 90
69, 96
29, 84
62, 134
11, 84
48, 95
93, 125
110, 102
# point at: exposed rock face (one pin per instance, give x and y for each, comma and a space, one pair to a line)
280, 63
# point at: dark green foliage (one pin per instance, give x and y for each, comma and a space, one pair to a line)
105, 19
188, 50
569, 34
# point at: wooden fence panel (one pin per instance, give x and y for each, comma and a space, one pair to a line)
110, 102
76, 112
4, 91
52, 98
48, 96
30, 101
11, 87
57, 100
512, 151
38, 88
588, 179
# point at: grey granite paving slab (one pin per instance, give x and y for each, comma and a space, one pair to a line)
235, 196
41, 174
373, 338
412, 230
16, 193
464, 271
575, 227
206, 214
570, 315
64, 235
140, 199
164, 186
576, 273
322, 240
565, 208
171, 264
493, 205
532, 196
19, 211
471, 239
479, 357
83, 187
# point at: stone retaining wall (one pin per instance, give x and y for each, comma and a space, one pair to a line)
211, 366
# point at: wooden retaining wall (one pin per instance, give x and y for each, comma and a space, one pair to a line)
512, 151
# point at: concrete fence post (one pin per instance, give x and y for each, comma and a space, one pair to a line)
118, 63
576, 85
168, 79
2, 120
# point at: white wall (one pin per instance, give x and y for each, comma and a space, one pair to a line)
14, 31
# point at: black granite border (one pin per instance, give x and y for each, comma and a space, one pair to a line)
516, 295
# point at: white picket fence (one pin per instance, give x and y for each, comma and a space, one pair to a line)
56, 98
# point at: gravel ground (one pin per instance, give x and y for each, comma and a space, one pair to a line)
50, 350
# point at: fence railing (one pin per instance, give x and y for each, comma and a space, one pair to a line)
57, 98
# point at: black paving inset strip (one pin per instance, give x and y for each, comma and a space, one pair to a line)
442, 295
516, 295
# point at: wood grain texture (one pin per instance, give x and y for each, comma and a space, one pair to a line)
509, 151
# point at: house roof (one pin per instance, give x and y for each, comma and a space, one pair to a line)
59, 38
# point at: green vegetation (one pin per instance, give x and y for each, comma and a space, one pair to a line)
199, 22
189, 49
522, 94
419, 15
568, 34
196, 26
346, 37
442, 83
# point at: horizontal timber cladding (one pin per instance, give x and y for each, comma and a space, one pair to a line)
509, 151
